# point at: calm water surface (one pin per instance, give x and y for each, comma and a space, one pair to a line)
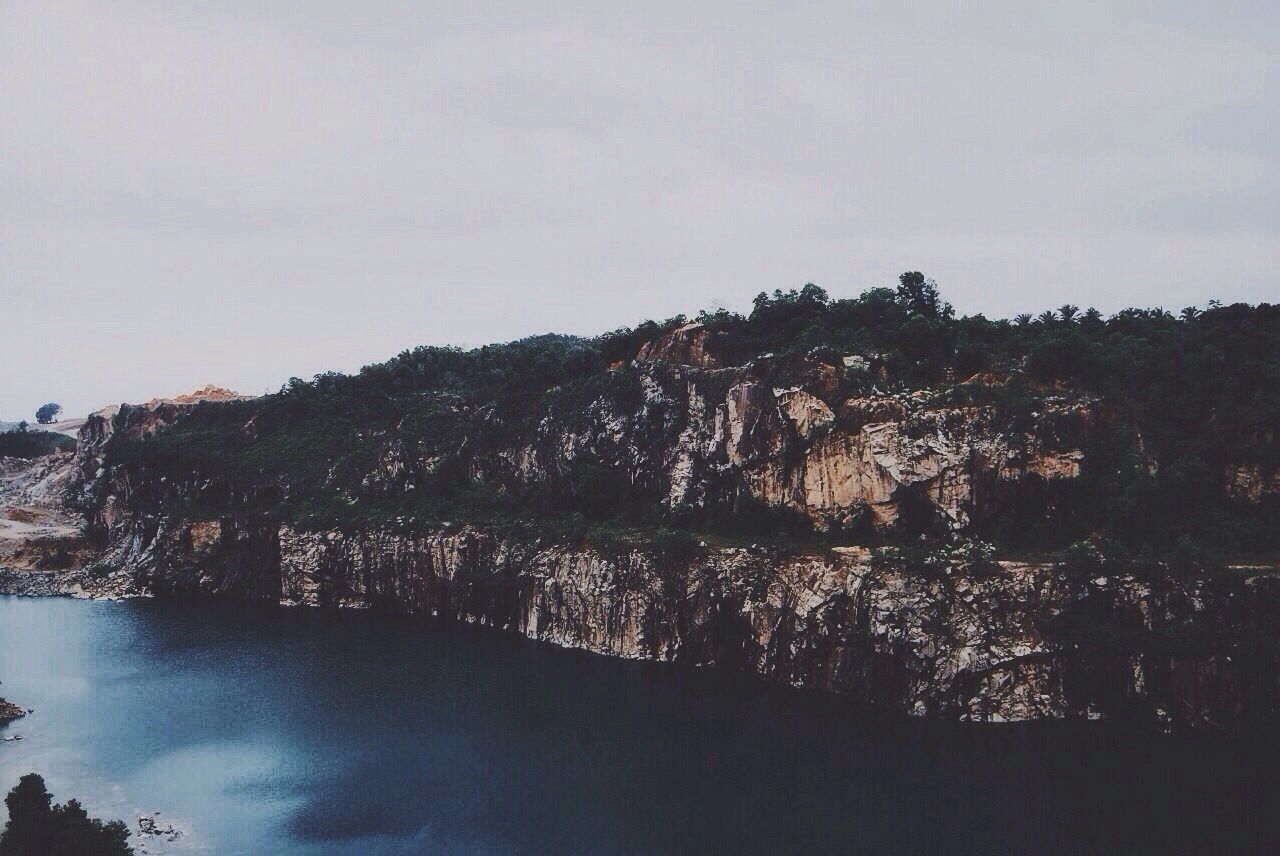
299, 732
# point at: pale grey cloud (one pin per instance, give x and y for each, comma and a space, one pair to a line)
236, 192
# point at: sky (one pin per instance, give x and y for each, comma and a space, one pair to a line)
239, 192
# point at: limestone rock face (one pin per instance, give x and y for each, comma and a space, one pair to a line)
710, 438
991, 642
685, 346
809, 415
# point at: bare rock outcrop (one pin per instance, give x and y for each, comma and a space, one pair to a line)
711, 438
10, 711
686, 346
957, 639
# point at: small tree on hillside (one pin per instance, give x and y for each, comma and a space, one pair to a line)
48, 413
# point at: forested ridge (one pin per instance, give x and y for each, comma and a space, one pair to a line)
1180, 467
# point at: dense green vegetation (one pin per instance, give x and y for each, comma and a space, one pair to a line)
1187, 397
38, 827
24, 443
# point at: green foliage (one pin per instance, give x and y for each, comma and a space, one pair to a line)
38, 827
1066, 356
32, 444
47, 413
919, 296
1082, 558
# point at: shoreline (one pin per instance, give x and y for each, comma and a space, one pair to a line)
10, 712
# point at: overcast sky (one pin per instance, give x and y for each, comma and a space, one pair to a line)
237, 192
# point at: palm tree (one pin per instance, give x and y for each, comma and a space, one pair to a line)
1047, 317
1190, 313
1023, 320
1092, 317
1068, 312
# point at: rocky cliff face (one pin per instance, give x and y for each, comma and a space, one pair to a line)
986, 642
801, 435
949, 636
956, 639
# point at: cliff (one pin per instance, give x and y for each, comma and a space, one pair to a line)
845, 422
954, 637
815, 494
783, 444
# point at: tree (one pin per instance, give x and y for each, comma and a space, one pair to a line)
30, 807
1063, 356
37, 827
813, 294
1023, 320
48, 413
1068, 312
920, 296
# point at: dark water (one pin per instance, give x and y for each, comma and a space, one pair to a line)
293, 731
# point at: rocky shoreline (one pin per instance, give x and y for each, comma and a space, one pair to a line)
10, 711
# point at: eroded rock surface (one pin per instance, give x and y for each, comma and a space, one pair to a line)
985, 642
39, 534
708, 439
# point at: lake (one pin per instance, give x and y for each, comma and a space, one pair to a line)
294, 731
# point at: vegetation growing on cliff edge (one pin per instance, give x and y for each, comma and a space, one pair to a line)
1188, 396
24, 443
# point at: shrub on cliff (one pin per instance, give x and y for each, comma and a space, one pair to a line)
38, 827
33, 444
674, 547
1083, 558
